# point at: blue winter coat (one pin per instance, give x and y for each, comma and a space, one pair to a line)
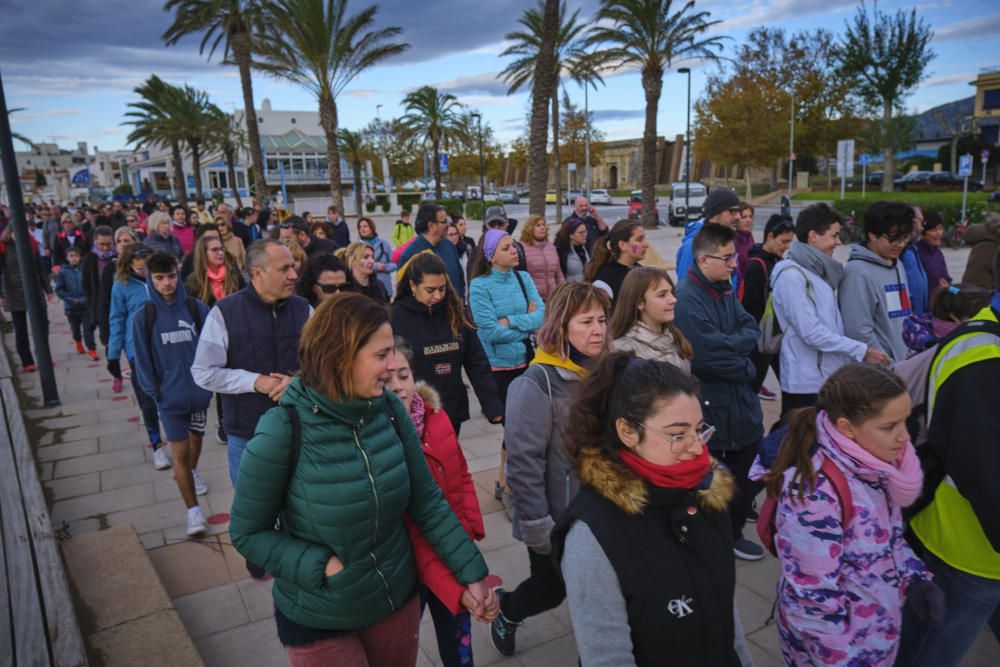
916, 280
69, 288
126, 300
163, 360
497, 295
685, 258
722, 335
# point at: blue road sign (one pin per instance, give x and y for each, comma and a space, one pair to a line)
444, 163
863, 160
965, 165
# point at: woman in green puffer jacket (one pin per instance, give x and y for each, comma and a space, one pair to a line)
345, 580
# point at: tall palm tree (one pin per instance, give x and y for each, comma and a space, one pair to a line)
193, 111
355, 150
543, 81
156, 122
434, 118
227, 138
572, 61
316, 45
232, 24
650, 35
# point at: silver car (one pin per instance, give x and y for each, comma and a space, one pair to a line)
600, 196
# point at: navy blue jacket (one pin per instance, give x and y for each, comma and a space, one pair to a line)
163, 360
445, 249
722, 335
263, 338
69, 288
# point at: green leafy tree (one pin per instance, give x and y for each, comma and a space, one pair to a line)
355, 151
436, 119
886, 56
316, 45
572, 60
233, 25
157, 122
193, 111
573, 132
651, 35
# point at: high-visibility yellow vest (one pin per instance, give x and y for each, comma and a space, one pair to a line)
948, 526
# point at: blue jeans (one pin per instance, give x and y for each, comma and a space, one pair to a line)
972, 603
235, 446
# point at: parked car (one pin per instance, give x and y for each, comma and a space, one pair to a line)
492, 196
473, 192
913, 178
458, 194
875, 177
600, 196
682, 209
508, 196
950, 181
635, 205
995, 197
571, 196
551, 197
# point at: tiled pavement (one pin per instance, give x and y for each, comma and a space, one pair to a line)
96, 473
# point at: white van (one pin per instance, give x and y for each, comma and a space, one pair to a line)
680, 212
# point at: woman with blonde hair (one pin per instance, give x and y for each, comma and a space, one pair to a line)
541, 256
360, 259
161, 237
299, 255
345, 581
643, 322
573, 334
232, 242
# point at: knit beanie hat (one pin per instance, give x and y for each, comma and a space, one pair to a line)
717, 201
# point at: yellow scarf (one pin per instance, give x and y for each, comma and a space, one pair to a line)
543, 357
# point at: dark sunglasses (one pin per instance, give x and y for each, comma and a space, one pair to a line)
331, 289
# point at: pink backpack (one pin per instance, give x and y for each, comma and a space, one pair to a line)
766, 528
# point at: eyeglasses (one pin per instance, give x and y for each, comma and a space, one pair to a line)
735, 210
331, 289
217, 250
681, 442
898, 240
728, 259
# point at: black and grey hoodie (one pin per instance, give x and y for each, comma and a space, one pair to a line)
875, 301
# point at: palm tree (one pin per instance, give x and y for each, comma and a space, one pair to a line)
15, 135
156, 122
434, 118
544, 78
572, 60
193, 111
650, 35
233, 24
314, 44
227, 138
355, 150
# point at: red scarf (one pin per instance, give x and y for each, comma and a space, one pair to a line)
683, 475
216, 281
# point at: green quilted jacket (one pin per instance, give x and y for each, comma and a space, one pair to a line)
354, 481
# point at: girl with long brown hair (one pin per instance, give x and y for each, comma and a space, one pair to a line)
643, 322
216, 273
614, 255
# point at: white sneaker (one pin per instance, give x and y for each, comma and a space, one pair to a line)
196, 524
200, 488
160, 459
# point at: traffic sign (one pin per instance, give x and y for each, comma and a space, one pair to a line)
443, 163
845, 158
863, 160
965, 166
984, 156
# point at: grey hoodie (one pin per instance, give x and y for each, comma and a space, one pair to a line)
875, 301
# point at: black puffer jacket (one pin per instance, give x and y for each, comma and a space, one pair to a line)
14, 299
439, 357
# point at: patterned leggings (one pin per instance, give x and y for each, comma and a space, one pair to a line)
454, 632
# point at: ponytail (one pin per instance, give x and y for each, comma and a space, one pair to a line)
795, 451
606, 249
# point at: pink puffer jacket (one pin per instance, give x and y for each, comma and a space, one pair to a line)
543, 266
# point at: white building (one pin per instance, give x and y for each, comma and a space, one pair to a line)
151, 171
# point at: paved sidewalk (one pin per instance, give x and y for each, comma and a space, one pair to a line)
96, 472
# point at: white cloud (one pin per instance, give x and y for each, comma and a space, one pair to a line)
361, 92
51, 113
983, 26
487, 83
961, 77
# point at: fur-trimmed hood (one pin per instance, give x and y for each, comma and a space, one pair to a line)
629, 492
432, 399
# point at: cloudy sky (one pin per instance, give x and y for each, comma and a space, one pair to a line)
72, 65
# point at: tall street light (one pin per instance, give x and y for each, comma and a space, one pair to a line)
687, 143
586, 144
387, 180
482, 167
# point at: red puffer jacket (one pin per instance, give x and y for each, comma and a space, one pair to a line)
448, 467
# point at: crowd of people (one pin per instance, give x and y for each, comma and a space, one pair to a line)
634, 444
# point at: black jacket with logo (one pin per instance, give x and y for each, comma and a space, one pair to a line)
439, 357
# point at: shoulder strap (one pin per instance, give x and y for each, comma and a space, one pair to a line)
524, 290
194, 312
843, 489
149, 318
296, 444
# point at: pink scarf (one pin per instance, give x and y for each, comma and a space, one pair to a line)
905, 476
418, 410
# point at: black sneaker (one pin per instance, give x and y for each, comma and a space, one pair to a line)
752, 515
503, 632
221, 437
747, 550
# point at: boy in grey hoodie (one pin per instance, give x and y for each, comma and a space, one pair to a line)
874, 297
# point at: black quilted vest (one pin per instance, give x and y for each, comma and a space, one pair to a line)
676, 570
263, 338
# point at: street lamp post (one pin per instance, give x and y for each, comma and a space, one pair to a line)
586, 140
482, 167
387, 180
791, 146
687, 143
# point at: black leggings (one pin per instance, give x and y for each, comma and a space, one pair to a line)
504, 379
22, 338
541, 591
739, 461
